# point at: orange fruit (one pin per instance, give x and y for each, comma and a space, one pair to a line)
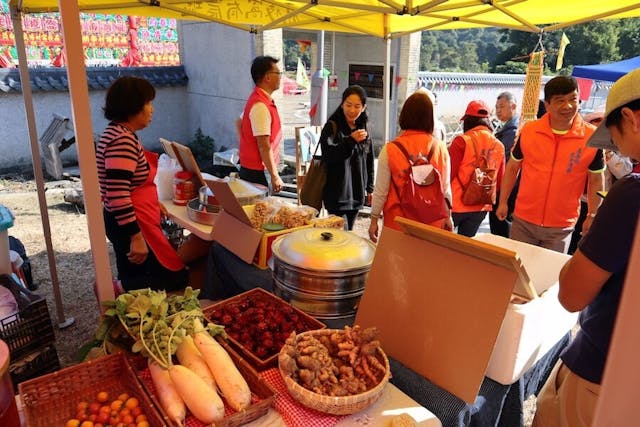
143, 424
87, 424
116, 405
131, 403
82, 406
141, 418
123, 397
102, 397
72, 423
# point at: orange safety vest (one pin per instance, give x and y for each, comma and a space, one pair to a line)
554, 171
248, 149
414, 142
487, 145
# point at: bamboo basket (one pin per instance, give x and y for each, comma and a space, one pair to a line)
50, 400
343, 405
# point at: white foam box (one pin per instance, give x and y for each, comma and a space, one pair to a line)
465, 307
532, 328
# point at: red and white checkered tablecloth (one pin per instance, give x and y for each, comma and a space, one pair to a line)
293, 413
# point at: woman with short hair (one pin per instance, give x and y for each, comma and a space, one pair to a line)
416, 138
132, 212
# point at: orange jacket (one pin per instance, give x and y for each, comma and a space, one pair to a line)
485, 143
248, 149
414, 142
553, 172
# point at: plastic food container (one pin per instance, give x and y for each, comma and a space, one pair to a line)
183, 188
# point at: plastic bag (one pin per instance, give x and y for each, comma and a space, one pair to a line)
167, 168
274, 211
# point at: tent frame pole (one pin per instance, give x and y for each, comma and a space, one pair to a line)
25, 83
79, 91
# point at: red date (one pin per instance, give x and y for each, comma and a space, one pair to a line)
258, 324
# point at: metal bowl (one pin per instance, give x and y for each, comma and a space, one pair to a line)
202, 213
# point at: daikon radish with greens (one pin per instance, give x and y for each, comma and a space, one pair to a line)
169, 397
230, 382
189, 356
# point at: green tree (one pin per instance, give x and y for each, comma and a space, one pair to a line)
592, 43
292, 53
511, 67
629, 38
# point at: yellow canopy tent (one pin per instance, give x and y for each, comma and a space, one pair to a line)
381, 18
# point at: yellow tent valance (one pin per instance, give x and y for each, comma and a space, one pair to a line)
385, 18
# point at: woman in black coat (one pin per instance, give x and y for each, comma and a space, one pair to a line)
348, 153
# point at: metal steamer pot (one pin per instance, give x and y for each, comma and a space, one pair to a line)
322, 271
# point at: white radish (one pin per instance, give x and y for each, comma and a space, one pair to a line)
232, 385
170, 400
203, 401
189, 356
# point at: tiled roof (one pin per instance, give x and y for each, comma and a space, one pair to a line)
473, 78
55, 79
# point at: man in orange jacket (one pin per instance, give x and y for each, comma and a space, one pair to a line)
554, 163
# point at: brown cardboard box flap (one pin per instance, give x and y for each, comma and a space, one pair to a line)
236, 236
184, 156
523, 287
233, 228
228, 200
438, 307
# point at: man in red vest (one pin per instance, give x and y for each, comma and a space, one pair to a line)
260, 130
554, 164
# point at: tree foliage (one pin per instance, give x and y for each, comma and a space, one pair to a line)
507, 51
291, 54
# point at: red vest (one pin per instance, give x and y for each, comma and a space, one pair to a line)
486, 144
554, 171
414, 142
248, 150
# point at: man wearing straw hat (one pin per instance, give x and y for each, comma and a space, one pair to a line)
554, 164
592, 280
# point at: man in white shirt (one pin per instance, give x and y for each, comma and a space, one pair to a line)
260, 129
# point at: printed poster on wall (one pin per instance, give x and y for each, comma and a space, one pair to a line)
108, 40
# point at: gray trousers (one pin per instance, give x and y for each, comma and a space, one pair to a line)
554, 238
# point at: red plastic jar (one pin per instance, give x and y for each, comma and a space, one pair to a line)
183, 188
8, 409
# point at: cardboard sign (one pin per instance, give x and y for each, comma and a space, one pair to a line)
439, 308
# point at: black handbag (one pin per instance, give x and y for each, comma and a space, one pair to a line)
314, 182
315, 179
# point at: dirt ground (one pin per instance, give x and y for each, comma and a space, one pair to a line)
72, 254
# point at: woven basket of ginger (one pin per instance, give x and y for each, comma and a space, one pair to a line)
333, 370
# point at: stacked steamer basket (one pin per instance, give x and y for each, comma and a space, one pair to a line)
322, 271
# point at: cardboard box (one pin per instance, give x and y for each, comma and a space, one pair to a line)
440, 300
529, 329
233, 228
